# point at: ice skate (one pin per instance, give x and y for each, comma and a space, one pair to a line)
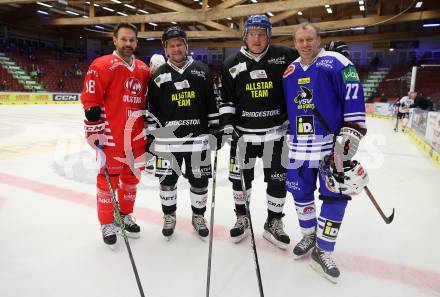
109, 234
325, 265
199, 224
274, 233
305, 245
169, 224
241, 229
131, 228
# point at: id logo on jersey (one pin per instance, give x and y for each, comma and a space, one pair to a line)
305, 125
331, 229
233, 167
163, 166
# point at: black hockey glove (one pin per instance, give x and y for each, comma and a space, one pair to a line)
216, 138
231, 132
150, 139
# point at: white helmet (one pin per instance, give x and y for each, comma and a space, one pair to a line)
352, 182
157, 60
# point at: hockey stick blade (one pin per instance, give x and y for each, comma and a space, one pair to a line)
388, 219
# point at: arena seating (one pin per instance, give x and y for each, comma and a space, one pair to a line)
55, 67
12, 83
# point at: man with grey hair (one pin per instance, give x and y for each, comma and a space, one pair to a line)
324, 97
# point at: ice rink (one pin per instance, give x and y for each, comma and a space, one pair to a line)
51, 243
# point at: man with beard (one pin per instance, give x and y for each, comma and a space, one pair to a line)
182, 113
113, 98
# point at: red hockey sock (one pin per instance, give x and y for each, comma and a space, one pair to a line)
127, 193
104, 198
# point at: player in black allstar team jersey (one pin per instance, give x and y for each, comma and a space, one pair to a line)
252, 106
183, 113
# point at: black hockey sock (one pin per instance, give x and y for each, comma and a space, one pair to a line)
199, 211
169, 209
240, 209
274, 215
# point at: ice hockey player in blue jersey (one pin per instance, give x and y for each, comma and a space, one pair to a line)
326, 110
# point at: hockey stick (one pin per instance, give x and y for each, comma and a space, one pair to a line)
248, 214
326, 127
396, 129
211, 226
119, 220
388, 219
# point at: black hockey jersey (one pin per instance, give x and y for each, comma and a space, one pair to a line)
252, 93
182, 107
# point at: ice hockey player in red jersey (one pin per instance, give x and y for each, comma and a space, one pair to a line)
113, 98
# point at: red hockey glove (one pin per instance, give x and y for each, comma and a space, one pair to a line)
95, 133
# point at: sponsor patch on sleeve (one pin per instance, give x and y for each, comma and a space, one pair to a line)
235, 70
164, 77
289, 70
349, 74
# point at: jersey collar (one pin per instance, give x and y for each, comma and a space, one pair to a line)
306, 66
130, 67
258, 58
189, 61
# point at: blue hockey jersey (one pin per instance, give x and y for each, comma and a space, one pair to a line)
331, 85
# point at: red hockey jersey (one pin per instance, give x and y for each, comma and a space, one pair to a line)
120, 89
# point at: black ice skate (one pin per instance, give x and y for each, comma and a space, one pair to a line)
131, 228
109, 232
275, 234
199, 224
325, 265
241, 228
305, 245
169, 224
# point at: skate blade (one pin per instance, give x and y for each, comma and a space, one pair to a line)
112, 247
239, 238
299, 257
168, 238
133, 235
269, 237
315, 266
